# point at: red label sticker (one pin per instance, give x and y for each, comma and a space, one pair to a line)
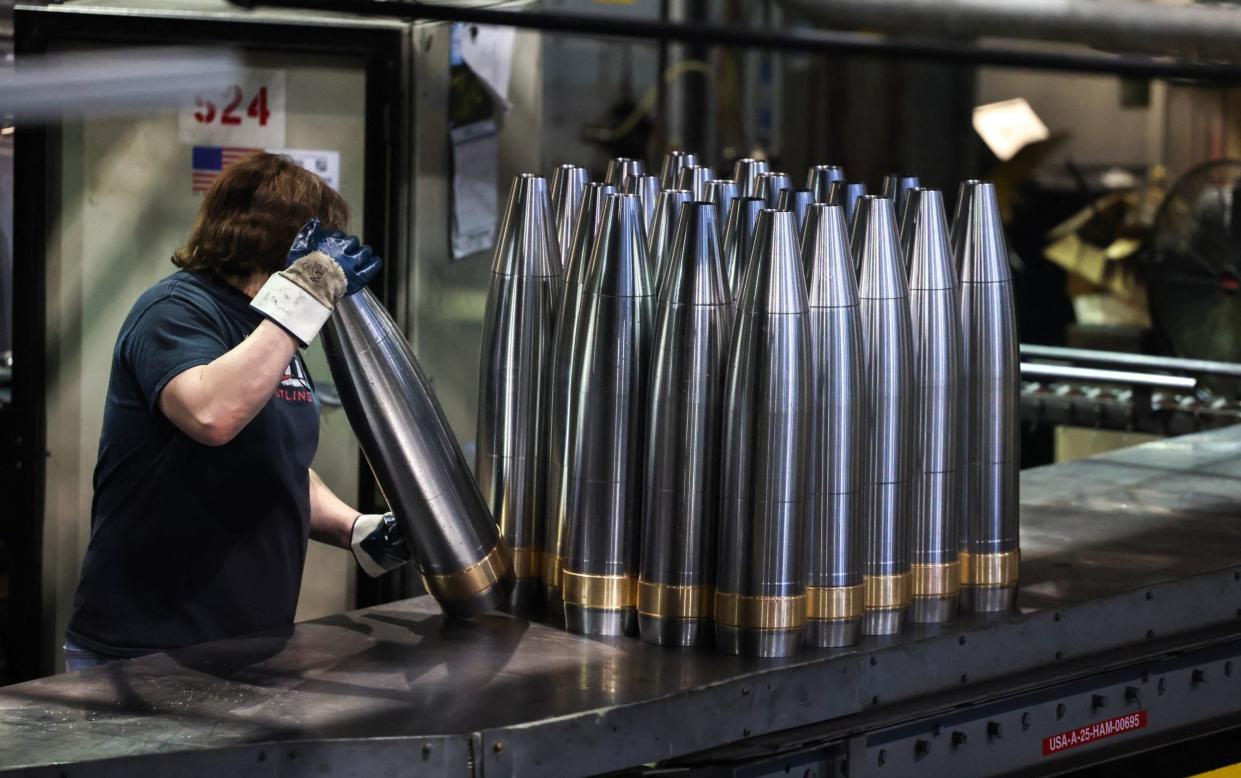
1092, 732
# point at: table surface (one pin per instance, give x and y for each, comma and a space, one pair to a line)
1115, 548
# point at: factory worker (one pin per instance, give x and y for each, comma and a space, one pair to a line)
204, 497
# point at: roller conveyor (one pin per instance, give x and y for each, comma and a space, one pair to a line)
1128, 630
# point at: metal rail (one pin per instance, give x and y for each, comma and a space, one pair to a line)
794, 40
1120, 358
1200, 30
1031, 370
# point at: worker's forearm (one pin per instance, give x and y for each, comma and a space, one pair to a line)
242, 380
331, 519
213, 402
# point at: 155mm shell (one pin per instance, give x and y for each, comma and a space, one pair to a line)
603, 465
569, 327
990, 557
739, 240
647, 189
694, 179
681, 487
746, 172
659, 238
819, 180
771, 184
568, 182
514, 380
722, 192
673, 162
888, 382
621, 169
797, 201
760, 600
936, 492
415, 457
834, 591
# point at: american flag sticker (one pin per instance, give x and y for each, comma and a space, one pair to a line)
210, 161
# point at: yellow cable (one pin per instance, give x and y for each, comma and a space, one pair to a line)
647, 103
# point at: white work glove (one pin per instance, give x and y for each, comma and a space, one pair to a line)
378, 543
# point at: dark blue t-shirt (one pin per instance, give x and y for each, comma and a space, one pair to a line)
191, 542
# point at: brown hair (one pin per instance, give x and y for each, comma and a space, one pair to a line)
251, 214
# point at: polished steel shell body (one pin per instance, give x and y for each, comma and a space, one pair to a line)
960, 218
681, 485
895, 187
857, 230
771, 184
935, 309
746, 172
819, 180
760, 603
738, 240
990, 554
563, 399
603, 465
659, 238
647, 189
722, 192
514, 380
416, 459
834, 591
695, 180
621, 169
908, 214
888, 380
673, 162
797, 201
568, 182
848, 194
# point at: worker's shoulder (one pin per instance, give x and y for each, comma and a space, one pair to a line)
179, 294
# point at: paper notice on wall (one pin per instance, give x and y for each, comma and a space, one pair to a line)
474, 159
488, 51
208, 162
248, 113
324, 163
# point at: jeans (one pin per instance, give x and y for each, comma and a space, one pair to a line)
78, 658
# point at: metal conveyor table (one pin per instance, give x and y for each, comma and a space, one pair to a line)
1128, 629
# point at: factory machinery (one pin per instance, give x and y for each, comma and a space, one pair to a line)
1122, 391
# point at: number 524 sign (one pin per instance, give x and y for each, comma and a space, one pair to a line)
247, 113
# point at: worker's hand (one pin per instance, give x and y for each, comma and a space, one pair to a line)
321, 267
356, 261
378, 543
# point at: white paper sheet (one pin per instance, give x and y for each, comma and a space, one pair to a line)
488, 51
474, 155
324, 163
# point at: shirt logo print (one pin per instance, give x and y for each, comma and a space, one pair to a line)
294, 387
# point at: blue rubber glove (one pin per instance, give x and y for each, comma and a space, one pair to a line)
357, 260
